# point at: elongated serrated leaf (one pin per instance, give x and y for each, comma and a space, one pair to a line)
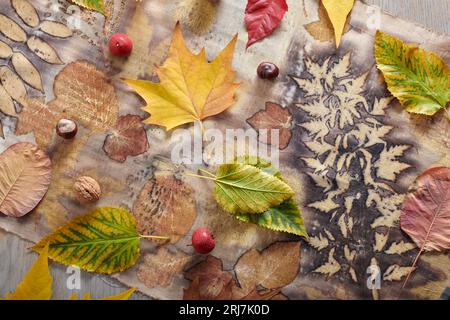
26, 12
244, 188
419, 79
97, 5
285, 217
104, 240
37, 283
27, 71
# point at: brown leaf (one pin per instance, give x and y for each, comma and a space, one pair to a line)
274, 267
26, 12
256, 294
322, 30
128, 138
56, 29
158, 269
83, 94
43, 50
10, 29
27, 71
165, 205
5, 50
6, 103
425, 214
273, 117
26, 173
209, 281
13, 85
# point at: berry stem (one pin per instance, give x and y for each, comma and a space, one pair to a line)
154, 237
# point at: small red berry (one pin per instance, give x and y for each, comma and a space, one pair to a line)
120, 45
203, 241
268, 70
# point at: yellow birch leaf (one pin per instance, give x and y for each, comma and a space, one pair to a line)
37, 283
190, 88
338, 10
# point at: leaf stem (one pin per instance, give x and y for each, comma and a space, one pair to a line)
207, 172
199, 176
154, 237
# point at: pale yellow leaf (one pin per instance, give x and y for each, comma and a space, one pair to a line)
338, 10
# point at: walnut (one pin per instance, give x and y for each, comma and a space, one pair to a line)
87, 189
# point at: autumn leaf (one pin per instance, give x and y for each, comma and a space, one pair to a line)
285, 217
128, 138
273, 268
338, 10
37, 283
262, 17
420, 80
209, 281
425, 214
158, 269
274, 117
190, 88
104, 240
25, 173
242, 188
165, 205
97, 5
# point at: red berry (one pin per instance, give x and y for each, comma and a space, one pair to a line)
120, 45
203, 241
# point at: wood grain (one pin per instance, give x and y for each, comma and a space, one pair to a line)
16, 259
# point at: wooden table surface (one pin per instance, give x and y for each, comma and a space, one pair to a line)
15, 259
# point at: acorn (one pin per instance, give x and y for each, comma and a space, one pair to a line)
66, 128
268, 71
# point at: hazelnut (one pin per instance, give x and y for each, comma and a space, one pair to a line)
66, 128
267, 70
87, 189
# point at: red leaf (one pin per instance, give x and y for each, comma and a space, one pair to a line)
128, 139
425, 214
273, 117
262, 17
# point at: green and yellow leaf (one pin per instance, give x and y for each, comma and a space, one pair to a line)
242, 188
37, 283
97, 5
104, 240
285, 217
420, 80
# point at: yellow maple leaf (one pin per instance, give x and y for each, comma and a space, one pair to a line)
190, 88
37, 283
338, 10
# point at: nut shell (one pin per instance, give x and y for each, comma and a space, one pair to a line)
87, 189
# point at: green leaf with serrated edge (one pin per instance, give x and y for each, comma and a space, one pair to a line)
104, 240
242, 188
97, 5
420, 80
285, 217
